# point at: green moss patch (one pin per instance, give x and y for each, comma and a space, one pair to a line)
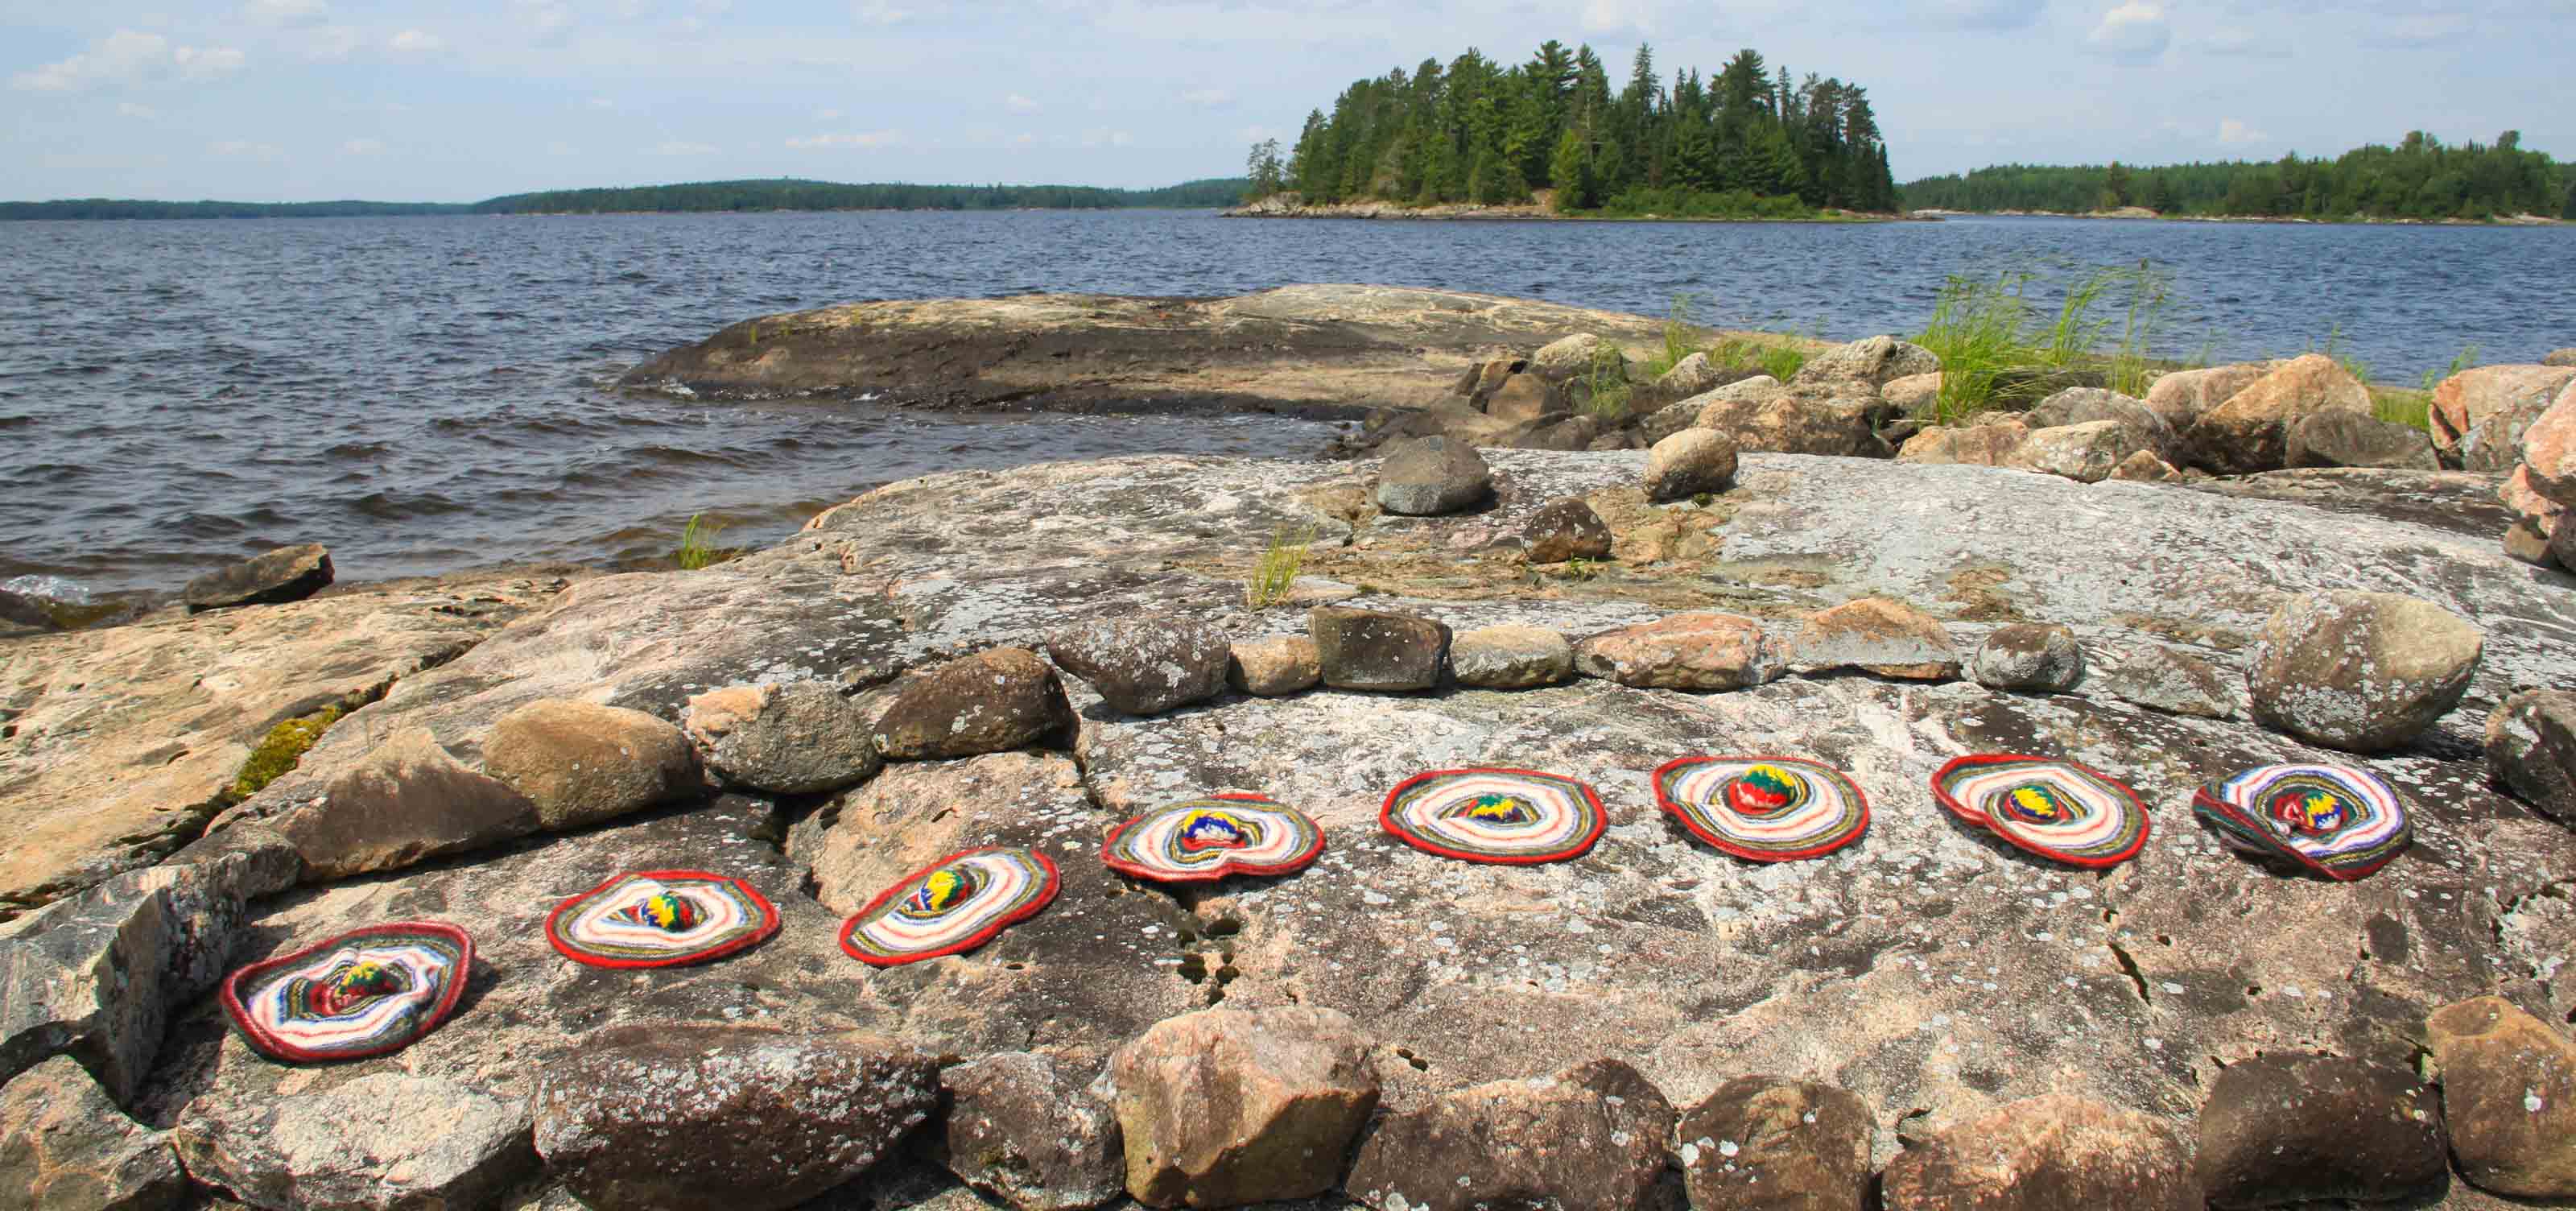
281, 750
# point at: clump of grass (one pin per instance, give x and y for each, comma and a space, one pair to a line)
1268, 584
2403, 407
1608, 379
1976, 332
1782, 362
1681, 336
278, 752
2150, 294
1580, 569
698, 547
2340, 350
1734, 353
2466, 359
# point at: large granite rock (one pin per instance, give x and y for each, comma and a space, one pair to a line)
797, 738
1567, 357
1227, 1107
2548, 451
2250, 432
1429, 476
381, 1142
1840, 417
1593, 1135
1876, 360
2364, 672
1569, 529
1145, 666
65, 1147
991, 702
1689, 463
2341, 438
2183, 396
1875, 635
1510, 657
2161, 678
1988, 445
2531, 750
1761, 1143
408, 801
2467, 408
119, 742
2046, 1154
2282, 1130
2086, 453
580, 762
1377, 650
2144, 427
2509, 1093
271, 578
1023, 1128
714, 1117
1692, 651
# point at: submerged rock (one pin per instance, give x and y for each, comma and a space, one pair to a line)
283, 575
1224, 1107
1593, 1135
2364, 672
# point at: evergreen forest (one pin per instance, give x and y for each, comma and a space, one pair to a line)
2420, 178
1746, 140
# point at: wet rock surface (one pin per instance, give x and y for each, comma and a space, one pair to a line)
2281, 1130
1593, 1135
1760, 1143
283, 575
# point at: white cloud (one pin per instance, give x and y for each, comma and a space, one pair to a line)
1613, 16
2242, 43
1977, 14
890, 12
1104, 137
626, 10
285, 12
2237, 134
865, 138
1208, 98
416, 41
132, 110
677, 147
1019, 105
332, 43
242, 149
362, 147
2135, 32
128, 57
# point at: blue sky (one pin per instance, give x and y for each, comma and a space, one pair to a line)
315, 99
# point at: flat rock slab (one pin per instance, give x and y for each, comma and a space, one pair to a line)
118, 740
1309, 349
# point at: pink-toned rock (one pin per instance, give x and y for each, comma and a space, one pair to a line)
1914, 392
1888, 638
2250, 432
1224, 1107
2549, 450
2086, 453
2056, 1152
2145, 468
2182, 396
1982, 445
2509, 1091
2466, 401
1698, 650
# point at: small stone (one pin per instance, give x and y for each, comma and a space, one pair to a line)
2086, 453
272, 578
1224, 1107
2144, 467
1590, 1136
1688, 377
1977, 445
1022, 1128
581, 762
1876, 360
1274, 666
2363, 672
2531, 750
1915, 393
2340, 438
1688, 463
2050, 1153
1566, 529
1146, 665
2509, 1092
1796, 1146
1523, 397
2030, 657
800, 738
64, 1146
1887, 638
2159, 678
991, 702
2285, 1129
1430, 476
702, 1117
382, 1142
407, 801
1511, 658
1697, 650
1374, 650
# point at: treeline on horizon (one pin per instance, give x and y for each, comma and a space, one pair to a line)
1745, 140
779, 194
2420, 178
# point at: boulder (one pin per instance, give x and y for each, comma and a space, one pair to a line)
797, 738
1837, 417
406, 802
2548, 451
2466, 403
2363, 672
707, 1117
2509, 1094
274, 577
1668, 420
1875, 635
1025, 1129
1374, 650
1914, 393
23, 610
1480, 381
2159, 678
1430, 476
1730, 403
2560, 357
1274, 665
1688, 463
1876, 360
1557, 433
2341, 438
64, 1146
1148, 664
2250, 432
1521, 398
1511, 657
386, 1141
2030, 657
1565, 529
2531, 750
1765, 1143
991, 702
2145, 468
1688, 377
2528, 504
1590, 1136
2285, 1129
1983, 445
1569, 357
1697, 650
1225, 1107
2182, 396
2525, 540
2048, 1153
2146, 428
2085, 453
581, 762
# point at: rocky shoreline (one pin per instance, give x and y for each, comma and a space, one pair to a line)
1288, 206
1926, 1018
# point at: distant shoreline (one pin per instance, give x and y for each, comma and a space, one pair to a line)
2142, 215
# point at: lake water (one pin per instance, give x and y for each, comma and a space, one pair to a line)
425, 394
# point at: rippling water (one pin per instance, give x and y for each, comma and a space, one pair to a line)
429, 393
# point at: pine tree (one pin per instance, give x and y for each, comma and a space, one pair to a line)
1571, 171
